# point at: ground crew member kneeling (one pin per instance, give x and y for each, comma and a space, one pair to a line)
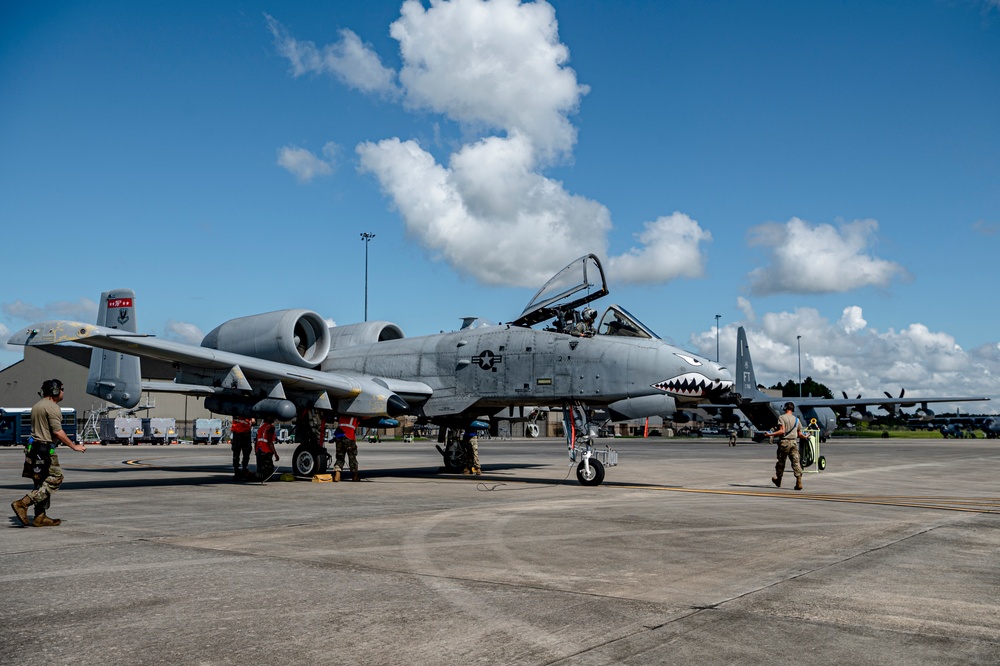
41, 464
788, 446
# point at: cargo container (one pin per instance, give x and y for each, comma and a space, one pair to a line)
15, 425
207, 431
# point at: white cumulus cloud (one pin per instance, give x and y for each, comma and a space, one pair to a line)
532, 223
815, 259
83, 309
304, 165
498, 63
348, 59
180, 331
498, 69
850, 357
671, 248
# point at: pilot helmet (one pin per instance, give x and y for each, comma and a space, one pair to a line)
589, 314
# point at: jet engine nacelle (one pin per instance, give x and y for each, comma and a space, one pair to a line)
296, 337
364, 333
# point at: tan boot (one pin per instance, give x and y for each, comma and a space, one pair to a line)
336, 475
356, 477
41, 520
798, 483
21, 509
476, 471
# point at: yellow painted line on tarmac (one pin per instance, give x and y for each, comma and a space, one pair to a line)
967, 504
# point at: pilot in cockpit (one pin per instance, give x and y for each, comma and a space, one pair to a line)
585, 327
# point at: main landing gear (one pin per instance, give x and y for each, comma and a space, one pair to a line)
309, 460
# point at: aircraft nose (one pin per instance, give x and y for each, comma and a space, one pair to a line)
692, 377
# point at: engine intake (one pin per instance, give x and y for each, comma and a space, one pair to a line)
296, 337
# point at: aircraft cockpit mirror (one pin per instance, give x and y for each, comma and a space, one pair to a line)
618, 321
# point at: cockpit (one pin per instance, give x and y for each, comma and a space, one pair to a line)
562, 300
618, 321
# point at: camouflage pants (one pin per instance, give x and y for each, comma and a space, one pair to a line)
346, 448
44, 488
788, 448
472, 452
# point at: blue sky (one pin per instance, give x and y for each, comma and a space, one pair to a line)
825, 169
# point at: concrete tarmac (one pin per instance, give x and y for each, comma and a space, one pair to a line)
686, 554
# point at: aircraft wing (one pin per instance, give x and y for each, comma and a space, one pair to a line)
365, 397
886, 403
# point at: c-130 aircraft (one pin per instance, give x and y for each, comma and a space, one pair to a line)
280, 364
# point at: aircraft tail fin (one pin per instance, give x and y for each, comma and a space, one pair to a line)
746, 382
114, 376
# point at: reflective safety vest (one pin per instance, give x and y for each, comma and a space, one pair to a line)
241, 425
265, 438
348, 426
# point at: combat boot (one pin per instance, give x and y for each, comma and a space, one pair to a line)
41, 520
776, 481
477, 472
21, 509
336, 475
798, 483
466, 471
356, 477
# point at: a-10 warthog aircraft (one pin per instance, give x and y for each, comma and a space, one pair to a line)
283, 364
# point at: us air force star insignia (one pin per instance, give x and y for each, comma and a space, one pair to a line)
487, 360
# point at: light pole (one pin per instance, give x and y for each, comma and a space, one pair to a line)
717, 337
367, 238
798, 341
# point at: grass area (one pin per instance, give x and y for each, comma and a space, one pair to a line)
897, 434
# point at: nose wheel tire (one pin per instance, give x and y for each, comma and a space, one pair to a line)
592, 478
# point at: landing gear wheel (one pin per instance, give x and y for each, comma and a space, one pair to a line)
305, 461
325, 461
453, 457
595, 476
821, 462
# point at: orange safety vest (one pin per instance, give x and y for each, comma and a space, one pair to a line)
265, 439
240, 425
348, 426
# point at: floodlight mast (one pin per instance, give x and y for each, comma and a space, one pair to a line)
366, 237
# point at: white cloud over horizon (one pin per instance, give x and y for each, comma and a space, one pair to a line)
809, 258
849, 356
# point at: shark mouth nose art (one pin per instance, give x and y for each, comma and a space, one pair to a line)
693, 385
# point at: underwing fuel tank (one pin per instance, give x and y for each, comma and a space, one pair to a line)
280, 410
